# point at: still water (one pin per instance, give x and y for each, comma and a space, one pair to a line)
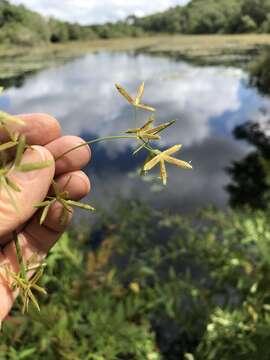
208, 102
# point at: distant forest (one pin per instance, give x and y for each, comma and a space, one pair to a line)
18, 25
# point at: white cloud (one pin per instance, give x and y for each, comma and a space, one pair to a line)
97, 11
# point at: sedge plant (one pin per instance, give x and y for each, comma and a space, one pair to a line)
24, 283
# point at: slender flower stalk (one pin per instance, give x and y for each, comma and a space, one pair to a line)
95, 141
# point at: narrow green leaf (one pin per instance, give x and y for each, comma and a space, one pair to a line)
80, 205
138, 149
45, 213
6, 118
12, 185
7, 145
36, 277
11, 135
39, 289
34, 166
64, 216
164, 126
25, 303
42, 204
34, 300
55, 188
20, 150
9, 193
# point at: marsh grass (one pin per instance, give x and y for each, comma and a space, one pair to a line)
197, 48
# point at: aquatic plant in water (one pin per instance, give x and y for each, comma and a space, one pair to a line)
25, 281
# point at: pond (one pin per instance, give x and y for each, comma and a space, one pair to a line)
207, 102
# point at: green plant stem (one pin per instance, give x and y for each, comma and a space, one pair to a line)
95, 141
148, 147
19, 254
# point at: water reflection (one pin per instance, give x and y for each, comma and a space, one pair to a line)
207, 101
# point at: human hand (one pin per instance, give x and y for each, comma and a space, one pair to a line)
44, 133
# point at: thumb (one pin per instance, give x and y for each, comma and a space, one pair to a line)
34, 186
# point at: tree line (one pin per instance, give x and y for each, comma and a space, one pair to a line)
211, 17
19, 25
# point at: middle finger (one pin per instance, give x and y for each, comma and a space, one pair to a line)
74, 160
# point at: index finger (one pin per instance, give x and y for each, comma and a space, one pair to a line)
39, 129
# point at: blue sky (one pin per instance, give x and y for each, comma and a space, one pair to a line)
97, 11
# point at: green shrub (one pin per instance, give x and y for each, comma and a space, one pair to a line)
18, 35
260, 73
153, 285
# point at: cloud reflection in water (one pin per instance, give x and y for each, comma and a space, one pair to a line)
208, 103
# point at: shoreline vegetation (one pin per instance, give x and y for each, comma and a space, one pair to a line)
19, 25
18, 61
158, 286
235, 31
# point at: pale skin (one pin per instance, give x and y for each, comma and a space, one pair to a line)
44, 132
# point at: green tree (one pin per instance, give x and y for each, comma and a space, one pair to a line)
247, 24
58, 31
265, 28
256, 10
